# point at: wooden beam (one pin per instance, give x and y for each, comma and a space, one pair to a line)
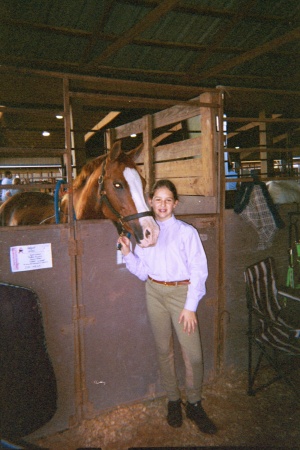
147, 21
223, 30
148, 152
262, 119
161, 137
28, 151
107, 119
117, 85
247, 127
97, 33
251, 54
126, 101
110, 37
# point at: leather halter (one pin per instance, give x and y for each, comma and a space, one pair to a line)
105, 199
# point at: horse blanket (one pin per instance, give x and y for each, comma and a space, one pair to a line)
256, 207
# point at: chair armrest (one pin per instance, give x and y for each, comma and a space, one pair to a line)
293, 294
290, 313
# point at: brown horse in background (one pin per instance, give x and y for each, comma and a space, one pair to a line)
109, 187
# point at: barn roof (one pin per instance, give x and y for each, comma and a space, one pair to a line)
146, 54
252, 43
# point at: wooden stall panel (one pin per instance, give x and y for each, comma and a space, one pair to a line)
118, 354
174, 161
189, 163
53, 286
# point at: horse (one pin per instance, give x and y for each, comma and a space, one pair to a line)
284, 191
108, 187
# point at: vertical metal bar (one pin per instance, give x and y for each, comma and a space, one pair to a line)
73, 251
221, 237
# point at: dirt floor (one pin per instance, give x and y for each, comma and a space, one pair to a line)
269, 420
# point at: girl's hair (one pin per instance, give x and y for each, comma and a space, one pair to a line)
164, 183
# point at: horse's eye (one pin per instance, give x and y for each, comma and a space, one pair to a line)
118, 185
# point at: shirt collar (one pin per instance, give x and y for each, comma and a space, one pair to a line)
166, 223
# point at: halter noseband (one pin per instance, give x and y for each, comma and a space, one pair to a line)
105, 199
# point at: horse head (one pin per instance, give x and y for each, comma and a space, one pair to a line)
115, 190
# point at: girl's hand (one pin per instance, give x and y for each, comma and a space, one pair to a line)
189, 320
125, 245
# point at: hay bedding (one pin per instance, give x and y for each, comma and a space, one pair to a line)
269, 420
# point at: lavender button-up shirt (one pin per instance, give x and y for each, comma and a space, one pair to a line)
177, 255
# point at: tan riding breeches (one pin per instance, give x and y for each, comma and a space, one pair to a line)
164, 304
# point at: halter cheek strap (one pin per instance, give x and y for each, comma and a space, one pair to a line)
105, 199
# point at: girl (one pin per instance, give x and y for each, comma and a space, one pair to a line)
175, 271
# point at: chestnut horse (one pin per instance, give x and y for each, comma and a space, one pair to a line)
109, 187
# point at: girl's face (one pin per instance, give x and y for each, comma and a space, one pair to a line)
163, 203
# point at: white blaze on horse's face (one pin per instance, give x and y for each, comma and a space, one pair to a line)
148, 224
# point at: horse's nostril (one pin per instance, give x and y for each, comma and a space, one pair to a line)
147, 233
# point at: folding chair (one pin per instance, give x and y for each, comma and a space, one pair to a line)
275, 337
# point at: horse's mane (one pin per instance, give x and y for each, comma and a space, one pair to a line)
86, 171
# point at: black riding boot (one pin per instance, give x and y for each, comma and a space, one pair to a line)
195, 412
174, 417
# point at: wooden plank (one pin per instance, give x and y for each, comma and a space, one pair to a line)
166, 134
192, 186
174, 114
170, 116
126, 130
183, 149
181, 168
186, 186
195, 204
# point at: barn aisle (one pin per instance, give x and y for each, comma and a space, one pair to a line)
269, 420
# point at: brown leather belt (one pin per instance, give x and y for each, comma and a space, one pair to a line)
171, 283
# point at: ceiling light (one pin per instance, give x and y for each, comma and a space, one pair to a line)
45, 133
59, 116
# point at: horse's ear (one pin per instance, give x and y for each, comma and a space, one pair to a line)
115, 151
135, 153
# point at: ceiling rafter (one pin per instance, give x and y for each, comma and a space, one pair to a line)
215, 12
153, 16
82, 34
221, 34
251, 54
179, 78
98, 31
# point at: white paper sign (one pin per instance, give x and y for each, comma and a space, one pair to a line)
30, 257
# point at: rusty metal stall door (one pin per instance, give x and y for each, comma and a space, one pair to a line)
118, 355
53, 286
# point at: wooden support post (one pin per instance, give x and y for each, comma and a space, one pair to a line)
109, 134
148, 152
209, 143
